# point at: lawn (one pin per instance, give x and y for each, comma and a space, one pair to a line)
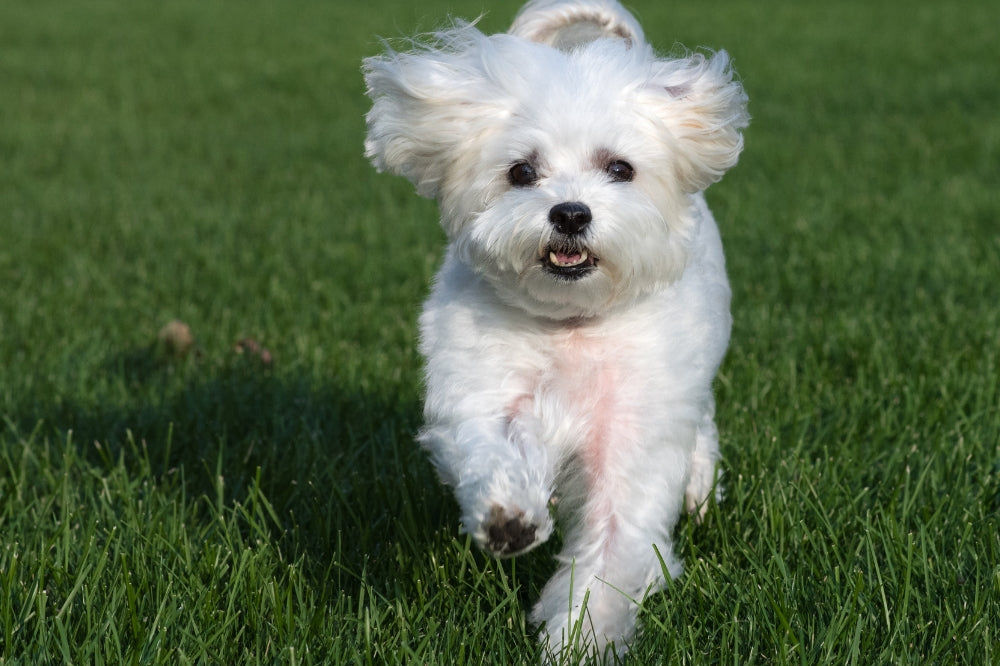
202, 162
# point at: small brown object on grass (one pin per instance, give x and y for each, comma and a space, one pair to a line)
175, 338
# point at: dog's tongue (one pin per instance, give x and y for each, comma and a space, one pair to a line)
566, 258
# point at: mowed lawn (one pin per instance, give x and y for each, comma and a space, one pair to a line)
257, 498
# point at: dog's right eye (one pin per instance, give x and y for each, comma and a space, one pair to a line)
522, 174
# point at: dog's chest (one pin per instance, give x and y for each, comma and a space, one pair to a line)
584, 368
585, 391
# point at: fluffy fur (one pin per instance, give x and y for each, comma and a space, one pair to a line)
582, 309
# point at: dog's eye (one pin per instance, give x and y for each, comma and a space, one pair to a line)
620, 171
522, 174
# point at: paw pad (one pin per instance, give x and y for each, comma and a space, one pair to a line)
508, 535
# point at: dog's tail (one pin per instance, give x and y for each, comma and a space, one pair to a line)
566, 24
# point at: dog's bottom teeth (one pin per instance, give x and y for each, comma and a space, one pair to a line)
568, 260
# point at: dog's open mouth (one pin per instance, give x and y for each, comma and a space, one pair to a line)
568, 262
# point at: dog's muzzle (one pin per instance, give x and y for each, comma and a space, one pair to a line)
565, 256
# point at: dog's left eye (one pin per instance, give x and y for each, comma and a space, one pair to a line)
620, 171
522, 174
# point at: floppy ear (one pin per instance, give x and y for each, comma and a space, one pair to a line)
566, 25
428, 103
703, 109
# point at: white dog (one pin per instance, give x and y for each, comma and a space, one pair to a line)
582, 310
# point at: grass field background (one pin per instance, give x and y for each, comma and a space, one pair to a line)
202, 161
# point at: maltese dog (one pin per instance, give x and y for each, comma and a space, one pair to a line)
582, 309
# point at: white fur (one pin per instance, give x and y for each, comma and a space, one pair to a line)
592, 395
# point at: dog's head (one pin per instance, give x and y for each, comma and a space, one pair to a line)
563, 154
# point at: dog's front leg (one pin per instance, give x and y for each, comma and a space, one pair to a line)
486, 446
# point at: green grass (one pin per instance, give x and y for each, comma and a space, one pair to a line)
202, 161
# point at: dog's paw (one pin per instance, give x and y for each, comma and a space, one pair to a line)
506, 535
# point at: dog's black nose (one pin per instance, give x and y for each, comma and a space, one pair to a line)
570, 217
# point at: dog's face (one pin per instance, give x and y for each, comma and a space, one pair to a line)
563, 177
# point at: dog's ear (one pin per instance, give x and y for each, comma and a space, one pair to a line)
428, 103
567, 24
703, 108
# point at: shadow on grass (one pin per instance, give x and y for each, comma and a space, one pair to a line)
338, 465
